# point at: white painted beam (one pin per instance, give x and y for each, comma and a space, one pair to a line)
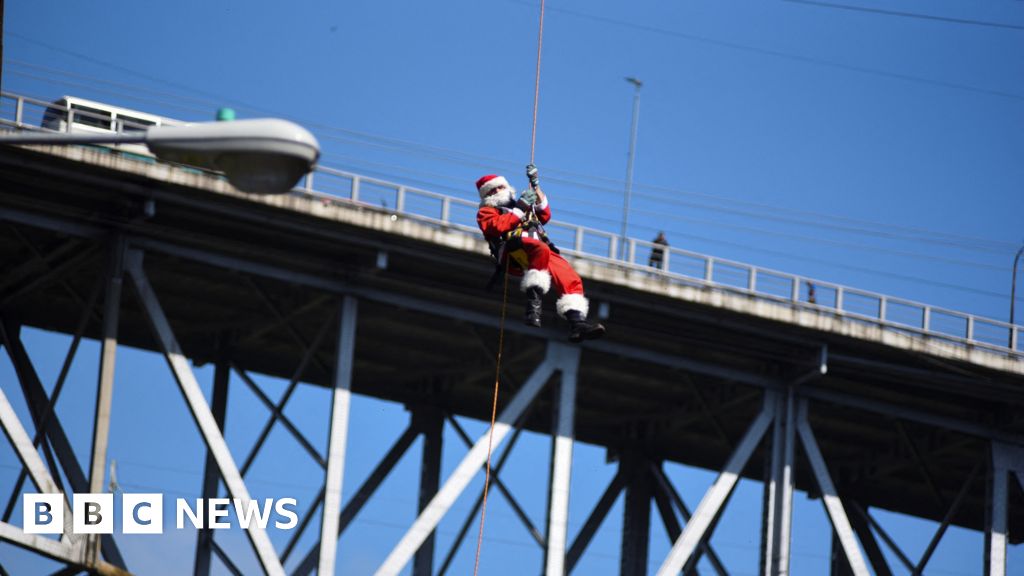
341, 401
431, 516
200, 410
714, 499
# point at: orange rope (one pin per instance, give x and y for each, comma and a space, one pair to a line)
494, 414
504, 308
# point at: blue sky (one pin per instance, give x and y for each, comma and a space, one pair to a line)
875, 150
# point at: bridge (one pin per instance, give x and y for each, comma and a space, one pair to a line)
710, 363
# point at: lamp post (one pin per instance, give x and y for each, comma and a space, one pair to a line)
629, 163
264, 156
1013, 291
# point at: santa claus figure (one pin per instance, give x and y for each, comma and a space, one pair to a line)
515, 231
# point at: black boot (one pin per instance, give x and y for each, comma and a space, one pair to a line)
533, 307
580, 329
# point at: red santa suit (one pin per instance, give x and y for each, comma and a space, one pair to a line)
500, 214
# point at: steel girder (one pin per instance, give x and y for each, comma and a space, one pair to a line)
785, 408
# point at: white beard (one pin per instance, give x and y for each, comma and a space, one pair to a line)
499, 199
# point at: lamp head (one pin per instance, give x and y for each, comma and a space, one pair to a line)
265, 156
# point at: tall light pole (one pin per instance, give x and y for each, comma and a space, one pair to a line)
629, 163
1013, 290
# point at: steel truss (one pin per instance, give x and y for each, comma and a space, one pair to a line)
782, 423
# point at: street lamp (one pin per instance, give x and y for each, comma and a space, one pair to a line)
629, 163
264, 156
1013, 283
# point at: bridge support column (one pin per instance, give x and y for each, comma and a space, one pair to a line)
105, 386
430, 421
338, 436
778, 504
561, 460
1007, 460
636, 521
221, 376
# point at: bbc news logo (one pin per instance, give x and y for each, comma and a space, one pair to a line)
144, 513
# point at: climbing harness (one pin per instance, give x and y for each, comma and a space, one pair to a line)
510, 245
504, 307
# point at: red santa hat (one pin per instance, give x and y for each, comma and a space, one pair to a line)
487, 183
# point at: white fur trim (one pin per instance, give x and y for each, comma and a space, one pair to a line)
576, 302
491, 185
518, 213
543, 204
499, 200
536, 279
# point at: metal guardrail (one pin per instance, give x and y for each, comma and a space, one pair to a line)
683, 266
30, 114
678, 266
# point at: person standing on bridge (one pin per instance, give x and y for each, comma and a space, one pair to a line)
657, 259
515, 232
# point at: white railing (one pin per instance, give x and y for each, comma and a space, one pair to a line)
681, 266
600, 247
24, 113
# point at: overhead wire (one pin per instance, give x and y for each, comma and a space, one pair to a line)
108, 92
811, 218
815, 219
445, 153
796, 256
780, 54
818, 220
118, 67
383, 142
906, 14
819, 240
219, 98
8, 62
792, 255
871, 228
823, 262
917, 256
